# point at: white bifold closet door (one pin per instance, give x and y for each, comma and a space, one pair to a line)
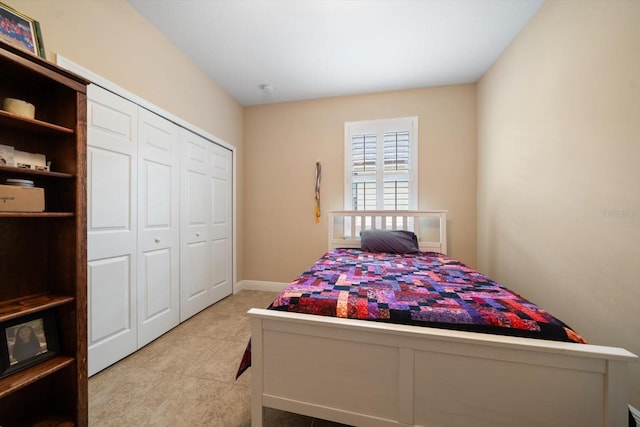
112, 200
220, 222
133, 227
159, 225
158, 281
206, 224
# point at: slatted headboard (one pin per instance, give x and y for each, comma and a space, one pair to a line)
429, 226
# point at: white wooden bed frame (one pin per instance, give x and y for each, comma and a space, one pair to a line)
376, 374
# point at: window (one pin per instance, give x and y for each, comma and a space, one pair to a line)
380, 164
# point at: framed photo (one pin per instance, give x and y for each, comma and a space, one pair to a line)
20, 31
27, 341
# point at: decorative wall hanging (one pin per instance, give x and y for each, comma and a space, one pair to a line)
318, 177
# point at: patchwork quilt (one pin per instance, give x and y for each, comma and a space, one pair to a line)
423, 289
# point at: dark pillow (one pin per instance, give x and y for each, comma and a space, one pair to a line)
392, 241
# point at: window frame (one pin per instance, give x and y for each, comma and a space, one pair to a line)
379, 128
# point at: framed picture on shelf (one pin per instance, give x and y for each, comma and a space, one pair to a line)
27, 341
21, 31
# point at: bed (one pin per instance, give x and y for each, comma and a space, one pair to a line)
378, 373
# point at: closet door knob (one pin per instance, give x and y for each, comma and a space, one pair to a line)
157, 239
197, 234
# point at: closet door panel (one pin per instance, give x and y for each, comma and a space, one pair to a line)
158, 299
196, 198
220, 267
110, 207
220, 222
195, 248
111, 226
109, 285
158, 227
197, 274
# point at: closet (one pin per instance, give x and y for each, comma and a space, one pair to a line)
159, 225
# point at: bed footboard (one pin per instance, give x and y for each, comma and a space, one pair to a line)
375, 374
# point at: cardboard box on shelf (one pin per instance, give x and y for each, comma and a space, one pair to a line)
21, 199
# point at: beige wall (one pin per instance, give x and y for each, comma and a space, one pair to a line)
111, 39
284, 141
558, 169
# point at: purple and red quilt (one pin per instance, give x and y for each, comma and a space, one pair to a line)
423, 289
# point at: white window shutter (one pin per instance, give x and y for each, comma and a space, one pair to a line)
380, 159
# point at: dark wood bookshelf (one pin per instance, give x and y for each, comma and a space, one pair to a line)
43, 255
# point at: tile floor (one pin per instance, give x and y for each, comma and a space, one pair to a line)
187, 376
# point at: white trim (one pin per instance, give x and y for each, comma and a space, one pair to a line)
234, 222
120, 91
259, 285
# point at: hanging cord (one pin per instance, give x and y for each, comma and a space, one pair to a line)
318, 176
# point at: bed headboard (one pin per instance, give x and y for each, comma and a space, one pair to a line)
429, 226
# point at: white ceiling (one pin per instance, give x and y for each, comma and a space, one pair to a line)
308, 49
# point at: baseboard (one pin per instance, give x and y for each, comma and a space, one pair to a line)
635, 414
258, 285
